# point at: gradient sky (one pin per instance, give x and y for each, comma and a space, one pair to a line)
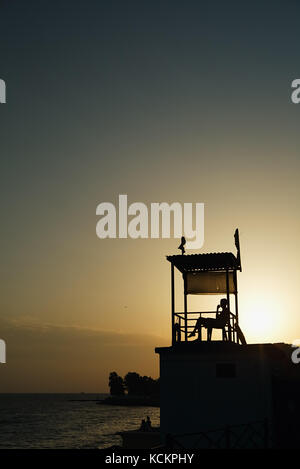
166, 100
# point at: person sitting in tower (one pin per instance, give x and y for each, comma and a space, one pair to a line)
221, 320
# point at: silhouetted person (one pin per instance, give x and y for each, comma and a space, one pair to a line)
148, 423
143, 427
181, 247
222, 319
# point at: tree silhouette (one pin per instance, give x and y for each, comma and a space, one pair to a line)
141, 385
132, 383
116, 384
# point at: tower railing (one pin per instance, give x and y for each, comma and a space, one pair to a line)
254, 435
186, 321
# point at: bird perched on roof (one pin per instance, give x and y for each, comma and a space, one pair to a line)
181, 247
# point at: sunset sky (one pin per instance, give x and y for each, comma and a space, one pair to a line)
164, 101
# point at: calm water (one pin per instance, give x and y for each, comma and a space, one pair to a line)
53, 421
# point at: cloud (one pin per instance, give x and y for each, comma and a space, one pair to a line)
43, 357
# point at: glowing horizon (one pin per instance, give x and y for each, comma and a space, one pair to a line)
162, 102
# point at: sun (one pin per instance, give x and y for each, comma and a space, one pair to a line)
260, 319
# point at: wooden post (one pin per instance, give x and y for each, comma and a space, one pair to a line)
236, 304
228, 304
200, 330
185, 309
173, 304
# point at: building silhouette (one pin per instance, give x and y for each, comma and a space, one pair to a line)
216, 390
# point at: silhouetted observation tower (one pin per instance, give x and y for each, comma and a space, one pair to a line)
216, 391
207, 274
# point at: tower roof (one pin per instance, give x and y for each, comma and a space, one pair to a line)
204, 262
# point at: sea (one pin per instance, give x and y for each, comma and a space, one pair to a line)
66, 421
